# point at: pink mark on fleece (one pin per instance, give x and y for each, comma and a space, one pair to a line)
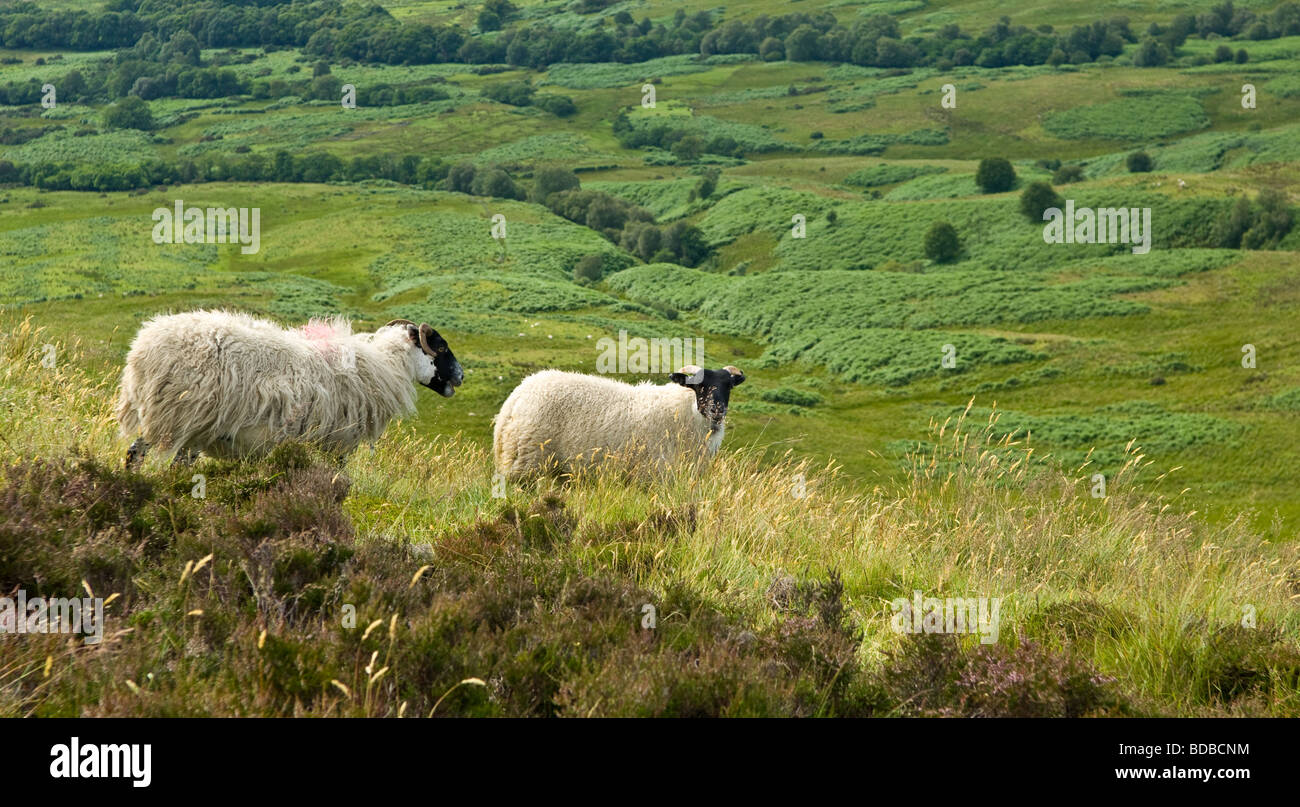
324, 336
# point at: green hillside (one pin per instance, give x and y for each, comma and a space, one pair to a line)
777, 208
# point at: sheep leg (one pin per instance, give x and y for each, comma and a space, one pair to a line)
184, 457
135, 453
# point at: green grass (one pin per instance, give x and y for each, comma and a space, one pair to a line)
1099, 360
532, 604
1147, 118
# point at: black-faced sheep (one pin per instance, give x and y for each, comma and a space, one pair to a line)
230, 385
557, 421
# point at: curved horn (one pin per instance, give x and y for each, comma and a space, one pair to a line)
399, 322
734, 370
689, 369
425, 334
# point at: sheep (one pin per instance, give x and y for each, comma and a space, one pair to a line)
557, 421
231, 385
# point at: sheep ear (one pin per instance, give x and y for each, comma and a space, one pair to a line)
688, 376
737, 377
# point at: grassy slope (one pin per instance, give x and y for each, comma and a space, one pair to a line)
531, 604
380, 252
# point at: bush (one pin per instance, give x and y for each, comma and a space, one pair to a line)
1255, 226
552, 179
688, 149
1139, 162
941, 242
129, 113
995, 175
590, 268
1067, 174
561, 106
514, 93
496, 183
1036, 198
707, 185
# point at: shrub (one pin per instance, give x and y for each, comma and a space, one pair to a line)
995, 175
561, 106
496, 183
1036, 198
1139, 162
552, 179
514, 93
129, 113
688, 148
941, 242
589, 267
1067, 174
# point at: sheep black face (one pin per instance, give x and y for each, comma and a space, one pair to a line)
436, 365
712, 388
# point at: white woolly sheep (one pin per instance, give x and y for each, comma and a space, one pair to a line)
231, 385
556, 421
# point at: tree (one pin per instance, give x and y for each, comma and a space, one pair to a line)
1272, 221
771, 50
1229, 228
496, 183
182, 47
589, 268
1067, 174
1038, 197
561, 106
515, 93
552, 179
1139, 162
801, 44
1223, 53
1151, 53
995, 175
1242, 56
461, 177
941, 242
129, 113
688, 149
707, 184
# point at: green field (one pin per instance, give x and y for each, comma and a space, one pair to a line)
1080, 359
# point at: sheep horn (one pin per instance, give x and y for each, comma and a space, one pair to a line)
399, 322
734, 370
425, 334
689, 369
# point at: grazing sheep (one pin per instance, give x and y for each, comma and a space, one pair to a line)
556, 421
231, 385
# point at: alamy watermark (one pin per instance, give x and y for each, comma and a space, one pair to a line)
84, 615
78, 760
215, 225
952, 615
641, 355
1104, 225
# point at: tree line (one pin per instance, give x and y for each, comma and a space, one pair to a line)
330, 29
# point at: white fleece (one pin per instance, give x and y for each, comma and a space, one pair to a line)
558, 421
229, 384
